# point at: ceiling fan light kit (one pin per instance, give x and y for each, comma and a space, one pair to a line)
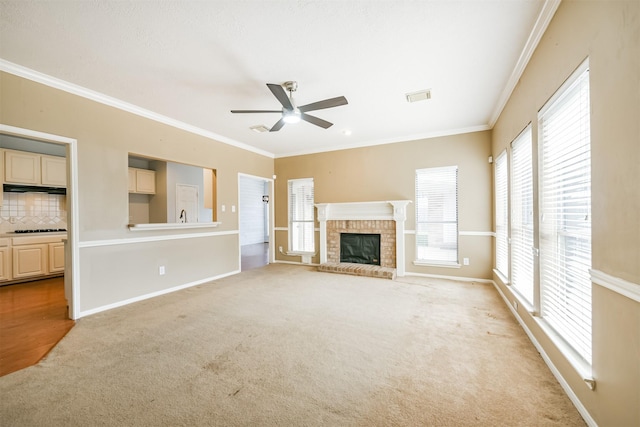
291, 113
293, 116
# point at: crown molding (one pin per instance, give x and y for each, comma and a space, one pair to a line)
544, 18
406, 138
38, 77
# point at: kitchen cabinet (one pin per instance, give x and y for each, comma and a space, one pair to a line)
53, 171
142, 181
30, 260
132, 180
56, 257
32, 257
5, 260
21, 167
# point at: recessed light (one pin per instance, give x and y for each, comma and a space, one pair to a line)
421, 95
259, 128
346, 132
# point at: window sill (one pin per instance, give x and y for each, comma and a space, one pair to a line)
433, 264
296, 253
581, 366
503, 279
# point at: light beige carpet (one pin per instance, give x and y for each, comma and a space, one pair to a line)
289, 346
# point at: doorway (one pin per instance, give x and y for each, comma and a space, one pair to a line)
71, 252
255, 214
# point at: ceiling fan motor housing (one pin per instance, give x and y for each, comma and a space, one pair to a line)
291, 86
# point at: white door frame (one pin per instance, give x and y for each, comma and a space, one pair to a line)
72, 267
271, 204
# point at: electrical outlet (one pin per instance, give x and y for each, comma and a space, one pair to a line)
233, 208
465, 261
515, 304
280, 249
223, 208
161, 270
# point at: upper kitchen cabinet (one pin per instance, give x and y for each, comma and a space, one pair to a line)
142, 181
21, 167
53, 171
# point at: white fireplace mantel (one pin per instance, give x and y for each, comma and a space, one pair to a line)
384, 210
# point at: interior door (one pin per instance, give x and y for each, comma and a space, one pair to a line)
186, 203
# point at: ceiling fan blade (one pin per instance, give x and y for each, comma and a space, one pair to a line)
327, 103
256, 111
316, 121
279, 93
277, 126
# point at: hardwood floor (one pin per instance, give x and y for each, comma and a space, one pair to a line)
33, 318
253, 256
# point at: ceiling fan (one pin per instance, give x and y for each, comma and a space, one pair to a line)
292, 113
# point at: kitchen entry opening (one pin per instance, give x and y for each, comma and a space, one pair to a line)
360, 248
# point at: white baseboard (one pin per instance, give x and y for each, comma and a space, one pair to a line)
447, 277
556, 373
296, 263
153, 294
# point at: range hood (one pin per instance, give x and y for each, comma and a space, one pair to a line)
18, 188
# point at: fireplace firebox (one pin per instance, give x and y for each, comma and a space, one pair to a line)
360, 248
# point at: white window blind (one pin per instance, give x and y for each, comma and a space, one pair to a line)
301, 215
437, 215
522, 215
565, 208
502, 215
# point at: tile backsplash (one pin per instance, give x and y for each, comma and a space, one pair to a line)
23, 211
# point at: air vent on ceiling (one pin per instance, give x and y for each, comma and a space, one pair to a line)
259, 128
422, 95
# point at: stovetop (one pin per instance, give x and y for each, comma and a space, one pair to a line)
41, 230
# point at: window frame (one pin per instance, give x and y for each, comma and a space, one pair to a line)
420, 193
522, 224
575, 289
309, 248
502, 247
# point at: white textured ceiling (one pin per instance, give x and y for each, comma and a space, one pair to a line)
193, 61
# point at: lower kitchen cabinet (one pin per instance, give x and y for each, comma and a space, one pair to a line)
5, 263
30, 260
56, 257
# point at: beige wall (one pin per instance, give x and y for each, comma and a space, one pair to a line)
113, 273
387, 172
608, 32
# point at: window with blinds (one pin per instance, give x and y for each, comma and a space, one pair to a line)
565, 213
301, 215
437, 215
522, 215
502, 215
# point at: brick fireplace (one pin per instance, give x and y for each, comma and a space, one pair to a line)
386, 229
386, 218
